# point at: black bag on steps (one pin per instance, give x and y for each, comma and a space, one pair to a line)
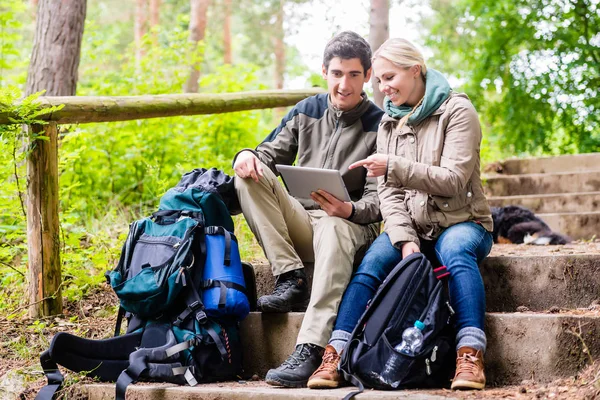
413, 291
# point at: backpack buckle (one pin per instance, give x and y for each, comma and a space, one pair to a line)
201, 317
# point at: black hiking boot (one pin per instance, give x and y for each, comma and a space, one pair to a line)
295, 371
290, 294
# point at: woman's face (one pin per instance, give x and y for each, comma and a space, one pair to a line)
401, 85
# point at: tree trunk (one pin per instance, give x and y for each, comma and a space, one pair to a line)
154, 19
140, 25
198, 21
279, 47
379, 32
53, 68
227, 56
56, 48
154, 12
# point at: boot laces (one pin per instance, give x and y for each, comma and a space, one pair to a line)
330, 362
283, 286
300, 354
467, 364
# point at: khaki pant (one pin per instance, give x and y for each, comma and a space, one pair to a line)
289, 235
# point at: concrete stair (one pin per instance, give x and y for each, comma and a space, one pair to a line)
542, 165
543, 302
248, 390
549, 203
564, 191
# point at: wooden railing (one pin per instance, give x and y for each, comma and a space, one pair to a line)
43, 240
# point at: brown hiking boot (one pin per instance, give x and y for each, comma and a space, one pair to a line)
469, 370
327, 375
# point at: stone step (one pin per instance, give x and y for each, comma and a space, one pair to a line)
520, 345
549, 183
551, 203
538, 165
576, 225
537, 277
250, 391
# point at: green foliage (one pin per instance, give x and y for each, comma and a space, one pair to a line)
12, 59
531, 68
112, 173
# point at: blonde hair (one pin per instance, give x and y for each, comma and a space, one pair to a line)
401, 53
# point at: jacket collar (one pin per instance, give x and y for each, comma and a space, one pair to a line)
386, 119
350, 116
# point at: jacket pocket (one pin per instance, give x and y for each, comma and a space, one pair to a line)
460, 201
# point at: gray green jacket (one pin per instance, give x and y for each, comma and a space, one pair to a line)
433, 179
316, 134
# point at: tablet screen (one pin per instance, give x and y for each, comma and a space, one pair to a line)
302, 181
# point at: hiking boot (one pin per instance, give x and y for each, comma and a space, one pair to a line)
295, 371
469, 370
290, 294
327, 375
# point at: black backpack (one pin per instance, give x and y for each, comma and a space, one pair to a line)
183, 289
413, 291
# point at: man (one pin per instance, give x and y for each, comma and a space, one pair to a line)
325, 131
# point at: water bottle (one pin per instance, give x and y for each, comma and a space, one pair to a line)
412, 338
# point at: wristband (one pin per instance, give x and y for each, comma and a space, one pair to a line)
353, 212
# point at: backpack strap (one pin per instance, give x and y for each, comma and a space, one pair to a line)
192, 298
120, 315
219, 230
356, 382
150, 361
55, 378
224, 285
195, 306
345, 367
99, 358
441, 272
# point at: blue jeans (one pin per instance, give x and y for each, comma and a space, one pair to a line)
460, 248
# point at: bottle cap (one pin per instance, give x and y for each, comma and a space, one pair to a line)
419, 325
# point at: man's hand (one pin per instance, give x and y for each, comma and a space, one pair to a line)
408, 248
331, 205
247, 165
375, 164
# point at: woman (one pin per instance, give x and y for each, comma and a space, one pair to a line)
431, 196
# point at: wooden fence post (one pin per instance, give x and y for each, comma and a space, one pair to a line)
45, 296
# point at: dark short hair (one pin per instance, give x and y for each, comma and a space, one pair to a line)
347, 45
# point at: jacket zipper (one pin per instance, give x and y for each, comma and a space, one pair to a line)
333, 141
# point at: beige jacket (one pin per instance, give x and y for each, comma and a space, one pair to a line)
433, 179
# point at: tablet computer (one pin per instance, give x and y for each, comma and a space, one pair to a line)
302, 181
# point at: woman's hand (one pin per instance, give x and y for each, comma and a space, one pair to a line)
375, 164
247, 165
331, 204
408, 248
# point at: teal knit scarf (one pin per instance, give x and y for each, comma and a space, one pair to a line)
437, 90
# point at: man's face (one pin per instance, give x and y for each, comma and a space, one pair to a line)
345, 80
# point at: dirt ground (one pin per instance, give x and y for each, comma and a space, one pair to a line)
522, 250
